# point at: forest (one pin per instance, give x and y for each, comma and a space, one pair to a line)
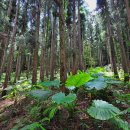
64, 65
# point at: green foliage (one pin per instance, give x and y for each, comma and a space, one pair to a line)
50, 111
18, 89
40, 94
70, 98
20, 40
33, 126
102, 110
100, 82
90, 60
20, 86
125, 98
55, 83
60, 98
34, 112
78, 79
113, 81
20, 123
95, 72
97, 84
128, 43
120, 123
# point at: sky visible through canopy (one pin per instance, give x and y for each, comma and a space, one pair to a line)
91, 4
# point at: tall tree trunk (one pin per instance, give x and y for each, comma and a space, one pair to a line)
111, 42
44, 40
18, 64
42, 64
10, 61
28, 63
47, 57
63, 73
35, 63
4, 45
112, 51
127, 3
52, 57
124, 58
81, 61
9, 68
74, 42
35, 51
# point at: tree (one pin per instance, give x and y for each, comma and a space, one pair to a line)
127, 3
63, 73
11, 50
36, 46
106, 15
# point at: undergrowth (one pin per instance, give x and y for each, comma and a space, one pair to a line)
93, 98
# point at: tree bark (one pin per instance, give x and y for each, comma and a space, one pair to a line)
63, 73
127, 3
5, 43
112, 51
110, 41
18, 64
52, 58
81, 61
35, 51
74, 42
10, 61
124, 57
42, 63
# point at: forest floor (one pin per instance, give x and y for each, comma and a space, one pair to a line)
12, 115
15, 115
18, 111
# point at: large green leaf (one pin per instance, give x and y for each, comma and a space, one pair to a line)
60, 98
102, 110
97, 84
101, 83
77, 80
70, 98
55, 83
40, 94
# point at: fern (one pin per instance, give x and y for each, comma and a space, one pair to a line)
50, 111
33, 126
